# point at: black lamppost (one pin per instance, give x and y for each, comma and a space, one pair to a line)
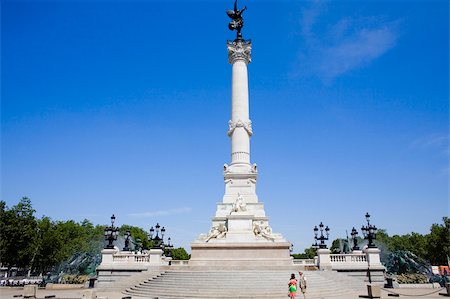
127, 241
369, 232
169, 247
111, 233
158, 242
354, 238
322, 238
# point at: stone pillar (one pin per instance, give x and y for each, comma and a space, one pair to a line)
373, 257
88, 294
324, 261
107, 256
29, 291
240, 126
155, 257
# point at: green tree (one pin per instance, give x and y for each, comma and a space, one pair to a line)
18, 233
308, 253
47, 246
3, 221
180, 254
438, 243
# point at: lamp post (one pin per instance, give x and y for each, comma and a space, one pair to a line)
111, 233
354, 235
322, 238
127, 241
158, 242
370, 232
169, 247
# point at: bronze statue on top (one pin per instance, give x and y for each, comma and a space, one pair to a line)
237, 22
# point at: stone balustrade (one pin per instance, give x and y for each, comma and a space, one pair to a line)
305, 262
131, 257
179, 262
349, 261
348, 258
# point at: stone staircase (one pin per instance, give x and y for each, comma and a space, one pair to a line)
126, 282
177, 284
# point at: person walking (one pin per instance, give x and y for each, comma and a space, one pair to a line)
292, 287
302, 283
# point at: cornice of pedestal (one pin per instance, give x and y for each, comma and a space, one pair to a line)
228, 175
239, 49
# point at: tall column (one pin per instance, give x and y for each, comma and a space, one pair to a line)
240, 126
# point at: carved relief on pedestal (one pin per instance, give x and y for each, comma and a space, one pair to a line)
263, 230
247, 125
239, 50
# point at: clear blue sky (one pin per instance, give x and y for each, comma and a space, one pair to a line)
122, 107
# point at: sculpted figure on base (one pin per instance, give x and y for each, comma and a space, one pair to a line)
217, 232
262, 230
239, 205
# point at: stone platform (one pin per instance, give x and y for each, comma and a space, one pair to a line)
243, 255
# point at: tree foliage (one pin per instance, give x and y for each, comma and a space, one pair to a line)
42, 244
308, 253
18, 228
438, 241
180, 254
433, 247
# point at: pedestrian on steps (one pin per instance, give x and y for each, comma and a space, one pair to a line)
302, 283
292, 287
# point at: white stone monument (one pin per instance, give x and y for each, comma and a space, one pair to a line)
240, 235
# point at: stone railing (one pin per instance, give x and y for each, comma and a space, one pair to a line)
348, 258
131, 257
126, 257
179, 262
305, 262
350, 261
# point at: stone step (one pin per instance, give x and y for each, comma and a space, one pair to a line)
241, 284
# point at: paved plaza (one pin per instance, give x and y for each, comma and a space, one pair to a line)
419, 293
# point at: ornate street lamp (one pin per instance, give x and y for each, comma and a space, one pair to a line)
322, 238
169, 247
127, 241
158, 242
111, 233
370, 232
354, 234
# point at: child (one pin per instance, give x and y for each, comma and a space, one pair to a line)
292, 287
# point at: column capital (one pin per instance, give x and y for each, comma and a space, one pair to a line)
239, 49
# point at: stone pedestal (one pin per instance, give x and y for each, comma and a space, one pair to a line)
240, 255
29, 291
324, 260
373, 258
155, 257
107, 256
88, 294
247, 244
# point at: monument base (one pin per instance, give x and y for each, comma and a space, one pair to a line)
267, 255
